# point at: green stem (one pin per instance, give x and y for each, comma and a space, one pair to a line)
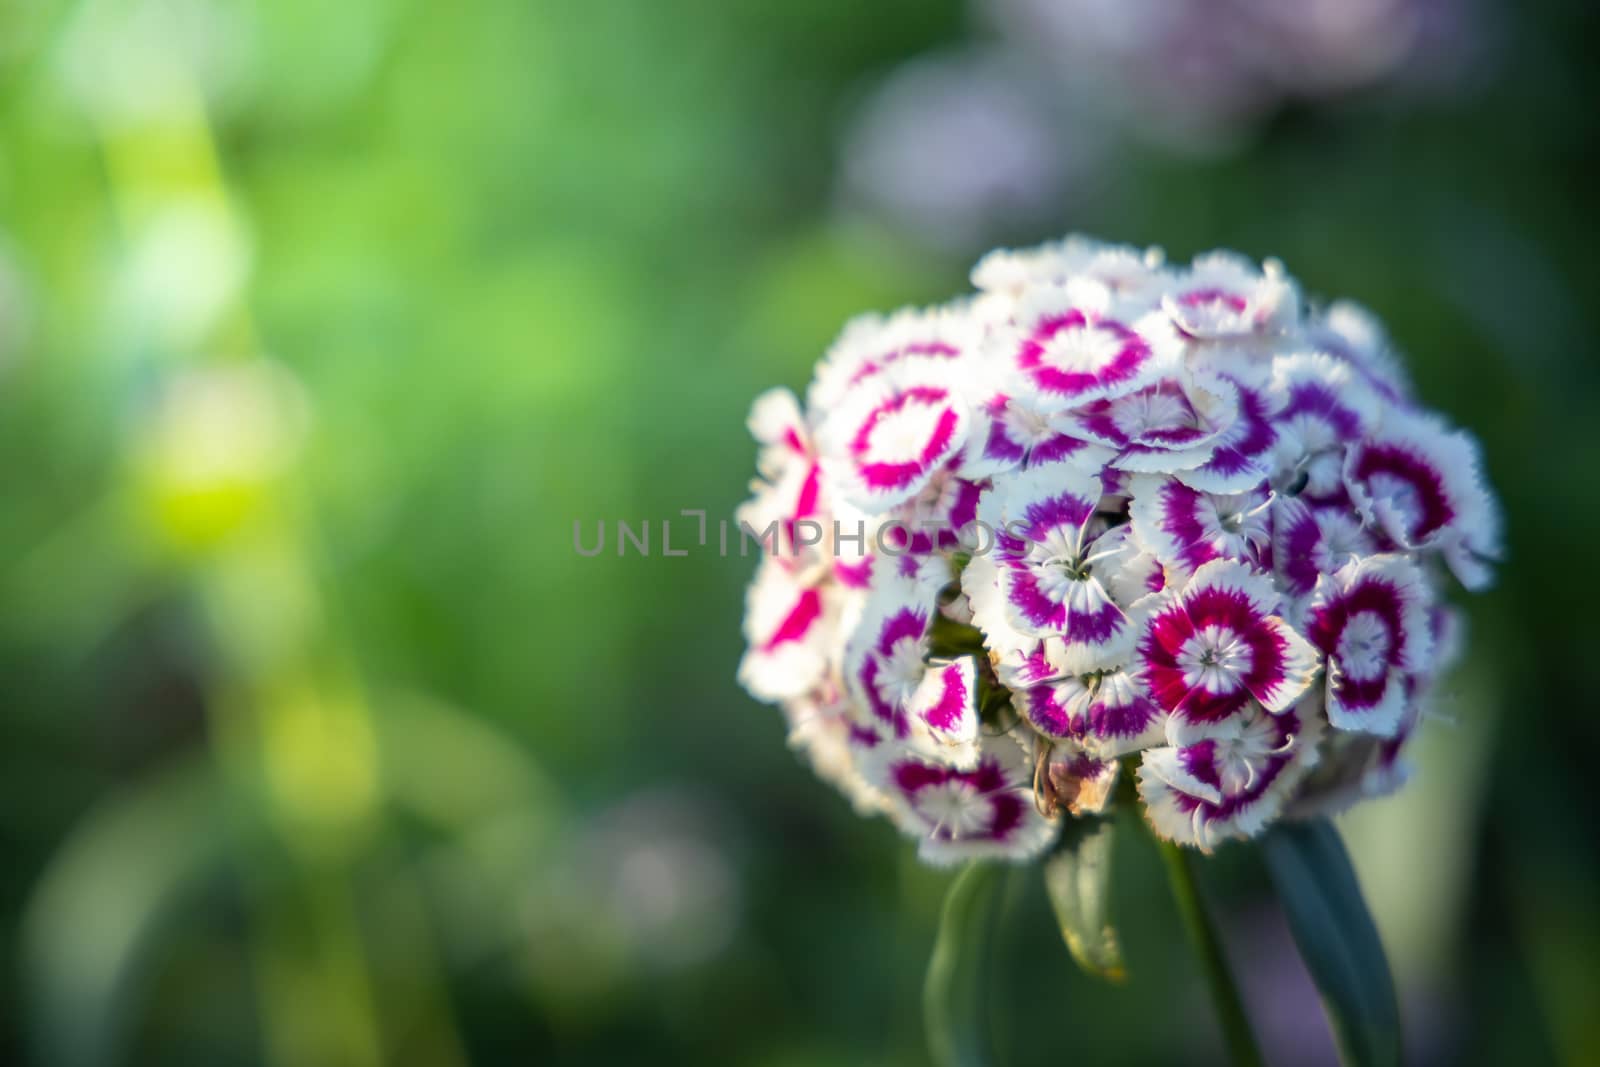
1207, 946
954, 1004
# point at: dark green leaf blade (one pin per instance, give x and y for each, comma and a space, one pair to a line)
1337, 939
1077, 876
952, 994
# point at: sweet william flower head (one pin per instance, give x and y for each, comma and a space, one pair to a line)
1137, 533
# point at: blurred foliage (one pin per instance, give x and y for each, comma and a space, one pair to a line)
321, 324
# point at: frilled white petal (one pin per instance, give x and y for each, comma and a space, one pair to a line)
986, 812
1127, 570
1121, 717
1353, 334
980, 584
779, 427
944, 708
1123, 269
823, 727
789, 628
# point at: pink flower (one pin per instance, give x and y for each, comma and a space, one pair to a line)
893, 431
1211, 649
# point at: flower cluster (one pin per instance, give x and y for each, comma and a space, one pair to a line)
1107, 517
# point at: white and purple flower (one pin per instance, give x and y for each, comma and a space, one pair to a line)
1224, 297
1187, 528
1045, 553
1371, 623
1108, 509
1014, 431
986, 811
928, 704
1240, 457
1422, 486
1326, 407
1309, 541
893, 431
1233, 783
1168, 425
1108, 714
1072, 344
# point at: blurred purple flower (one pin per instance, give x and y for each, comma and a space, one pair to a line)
1195, 74
958, 147
966, 148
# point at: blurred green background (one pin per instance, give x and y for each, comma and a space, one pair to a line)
321, 324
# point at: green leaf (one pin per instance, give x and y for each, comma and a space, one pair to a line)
116, 887
946, 637
952, 994
1336, 936
1077, 875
